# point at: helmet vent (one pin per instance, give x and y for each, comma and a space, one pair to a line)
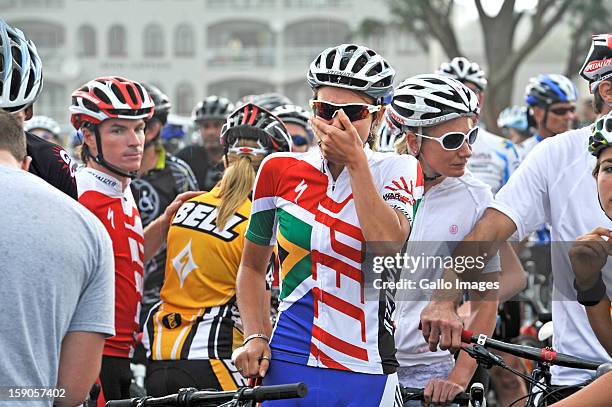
130, 90
141, 94
330, 58
101, 95
14, 38
90, 106
30, 84
16, 55
117, 93
360, 63
15, 82
344, 62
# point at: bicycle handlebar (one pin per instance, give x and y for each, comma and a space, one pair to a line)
544, 355
413, 393
277, 392
191, 397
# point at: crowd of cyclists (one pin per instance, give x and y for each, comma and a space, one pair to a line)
275, 209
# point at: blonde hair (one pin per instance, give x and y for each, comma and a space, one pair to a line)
401, 145
237, 183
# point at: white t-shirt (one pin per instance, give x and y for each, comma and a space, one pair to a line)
447, 212
493, 159
554, 185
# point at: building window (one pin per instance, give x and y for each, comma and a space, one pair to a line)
184, 99
86, 39
184, 41
116, 41
48, 37
240, 42
153, 41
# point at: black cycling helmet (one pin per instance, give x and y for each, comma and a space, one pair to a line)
212, 108
272, 137
161, 101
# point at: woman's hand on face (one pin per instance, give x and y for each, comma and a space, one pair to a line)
589, 254
338, 145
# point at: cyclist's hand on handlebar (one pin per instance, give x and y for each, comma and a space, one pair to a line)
441, 392
252, 359
589, 254
441, 326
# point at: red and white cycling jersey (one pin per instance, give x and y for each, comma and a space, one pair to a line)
102, 195
325, 318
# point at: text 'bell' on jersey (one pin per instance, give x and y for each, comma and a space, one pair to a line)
197, 317
103, 196
324, 320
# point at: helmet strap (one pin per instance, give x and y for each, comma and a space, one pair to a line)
545, 120
428, 178
99, 158
153, 141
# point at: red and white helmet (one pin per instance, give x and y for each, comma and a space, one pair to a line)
111, 97
597, 66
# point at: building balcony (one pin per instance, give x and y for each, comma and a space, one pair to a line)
19, 5
240, 58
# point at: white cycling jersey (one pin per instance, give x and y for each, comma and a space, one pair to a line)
554, 185
493, 159
447, 212
526, 146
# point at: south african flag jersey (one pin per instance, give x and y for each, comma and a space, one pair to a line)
324, 320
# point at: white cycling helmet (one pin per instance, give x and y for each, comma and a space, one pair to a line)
388, 134
43, 122
463, 70
21, 70
352, 67
430, 99
513, 117
293, 114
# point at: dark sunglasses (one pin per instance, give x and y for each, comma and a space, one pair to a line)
354, 111
562, 111
454, 140
299, 140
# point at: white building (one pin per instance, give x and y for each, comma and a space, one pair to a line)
193, 48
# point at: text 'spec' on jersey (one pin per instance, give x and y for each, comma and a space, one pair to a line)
324, 320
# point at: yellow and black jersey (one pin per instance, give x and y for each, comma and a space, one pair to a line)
197, 317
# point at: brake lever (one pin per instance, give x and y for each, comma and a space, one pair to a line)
484, 358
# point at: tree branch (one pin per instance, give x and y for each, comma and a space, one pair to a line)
538, 30
481, 13
507, 9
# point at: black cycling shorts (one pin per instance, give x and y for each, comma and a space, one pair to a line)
168, 376
115, 378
